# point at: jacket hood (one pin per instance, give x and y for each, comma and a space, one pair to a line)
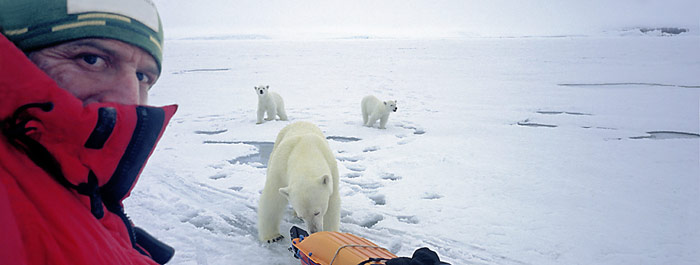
101, 147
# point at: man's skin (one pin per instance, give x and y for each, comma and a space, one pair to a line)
100, 70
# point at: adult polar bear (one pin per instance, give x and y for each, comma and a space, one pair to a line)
271, 103
374, 109
302, 171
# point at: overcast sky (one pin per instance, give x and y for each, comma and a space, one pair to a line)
421, 17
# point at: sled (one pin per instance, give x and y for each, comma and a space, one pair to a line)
335, 248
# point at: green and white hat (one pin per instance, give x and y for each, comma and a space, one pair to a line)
35, 24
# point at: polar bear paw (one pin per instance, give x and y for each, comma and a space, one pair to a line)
274, 239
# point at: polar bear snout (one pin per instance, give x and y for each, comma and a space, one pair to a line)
395, 109
262, 91
314, 221
314, 226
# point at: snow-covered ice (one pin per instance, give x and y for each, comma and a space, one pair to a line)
568, 150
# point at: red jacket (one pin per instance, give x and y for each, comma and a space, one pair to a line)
65, 169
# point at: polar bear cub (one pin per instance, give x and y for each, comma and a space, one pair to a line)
374, 109
303, 172
271, 103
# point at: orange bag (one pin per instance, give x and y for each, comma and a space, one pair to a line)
335, 248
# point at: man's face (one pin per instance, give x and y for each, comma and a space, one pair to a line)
100, 70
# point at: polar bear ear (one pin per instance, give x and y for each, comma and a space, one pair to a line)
384, 102
325, 180
268, 87
285, 192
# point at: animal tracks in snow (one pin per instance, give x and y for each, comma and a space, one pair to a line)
352, 175
431, 196
370, 149
378, 199
364, 181
409, 219
415, 129
364, 184
390, 176
355, 167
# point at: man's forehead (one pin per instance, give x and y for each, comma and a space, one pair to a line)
110, 45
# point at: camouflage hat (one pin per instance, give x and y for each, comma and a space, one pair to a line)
36, 24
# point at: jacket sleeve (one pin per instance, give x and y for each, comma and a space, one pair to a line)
11, 247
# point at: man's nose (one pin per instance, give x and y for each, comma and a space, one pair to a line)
123, 88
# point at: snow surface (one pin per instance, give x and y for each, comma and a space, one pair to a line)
569, 150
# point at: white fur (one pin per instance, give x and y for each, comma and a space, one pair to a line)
374, 109
302, 171
271, 103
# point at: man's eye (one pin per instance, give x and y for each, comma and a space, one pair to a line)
142, 77
90, 59
93, 60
